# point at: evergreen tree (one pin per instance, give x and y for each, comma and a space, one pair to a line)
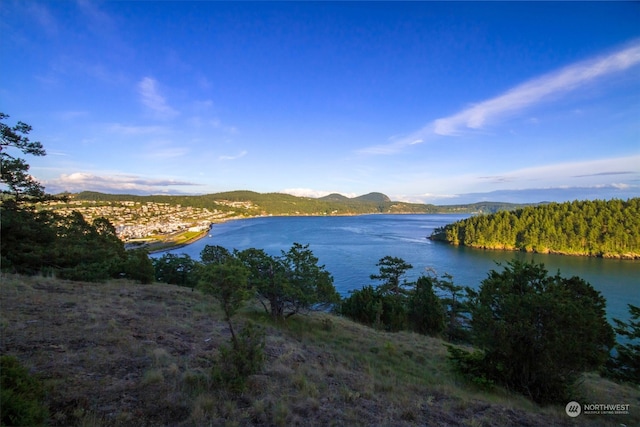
291, 283
538, 333
13, 170
625, 365
425, 312
392, 270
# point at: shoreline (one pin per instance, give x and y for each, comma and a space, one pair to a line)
631, 256
168, 246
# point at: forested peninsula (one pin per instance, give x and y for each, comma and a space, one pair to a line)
609, 229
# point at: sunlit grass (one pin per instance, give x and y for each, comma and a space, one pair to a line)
149, 350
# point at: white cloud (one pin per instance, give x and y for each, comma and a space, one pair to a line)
621, 186
517, 99
395, 146
237, 156
83, 181
136, 130
589, 172
152, 99
538, 90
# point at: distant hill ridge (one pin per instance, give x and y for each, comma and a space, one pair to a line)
370, 197
287, 204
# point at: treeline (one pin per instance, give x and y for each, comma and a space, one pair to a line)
286, 204
67, 247
533, 333
593, 228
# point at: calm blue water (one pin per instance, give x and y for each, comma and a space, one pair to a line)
350, 247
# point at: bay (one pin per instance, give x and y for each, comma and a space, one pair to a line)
350, 247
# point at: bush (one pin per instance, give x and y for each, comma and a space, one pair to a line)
364, 306
370, 307
471, 365
138, 266
244, 357
176, 270
538, 333
21, 395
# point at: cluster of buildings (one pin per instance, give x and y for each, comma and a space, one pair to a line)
139, 220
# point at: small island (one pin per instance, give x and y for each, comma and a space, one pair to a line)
598, 228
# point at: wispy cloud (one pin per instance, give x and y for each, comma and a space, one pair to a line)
596, 172
526, 95
82, 181
43, 18
97, 18
237, 156
151, 98
535, 195
136, 130
538, 90
394, 146
164, 150
604, 174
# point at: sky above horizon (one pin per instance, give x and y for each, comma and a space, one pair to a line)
429, 102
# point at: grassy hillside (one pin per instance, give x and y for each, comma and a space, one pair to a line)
133, 355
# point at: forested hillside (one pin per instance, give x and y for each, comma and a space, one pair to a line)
592, 228
251, 203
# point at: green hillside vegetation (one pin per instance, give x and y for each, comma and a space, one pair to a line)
123, 354
286, 204
593, 228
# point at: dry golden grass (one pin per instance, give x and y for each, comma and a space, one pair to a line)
124, 354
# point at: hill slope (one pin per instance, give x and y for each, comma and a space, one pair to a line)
373, 197
139, 355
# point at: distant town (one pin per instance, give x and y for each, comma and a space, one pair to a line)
161, 222
144, 220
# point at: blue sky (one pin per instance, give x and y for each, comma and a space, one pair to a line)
430, 102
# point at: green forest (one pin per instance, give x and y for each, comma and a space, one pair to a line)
286, 204
609, 229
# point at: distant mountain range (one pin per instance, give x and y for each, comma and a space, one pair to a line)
371, 197
251, 203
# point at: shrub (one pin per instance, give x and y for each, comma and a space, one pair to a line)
176, 270
244, 357
21, 395
363, 306
538, 333
138, 266
472, 365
